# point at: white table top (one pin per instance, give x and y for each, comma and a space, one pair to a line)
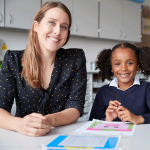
10, 140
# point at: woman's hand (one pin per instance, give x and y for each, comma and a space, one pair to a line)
111, 112
125, 115
33, 125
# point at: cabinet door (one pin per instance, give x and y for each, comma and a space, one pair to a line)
21, 13
1, 13
85, 18
131, 21
110, 19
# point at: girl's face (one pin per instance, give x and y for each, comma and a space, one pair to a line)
52, 31
124, 66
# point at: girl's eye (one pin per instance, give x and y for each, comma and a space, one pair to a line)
63, 27
52, 23
117, 64
129, 63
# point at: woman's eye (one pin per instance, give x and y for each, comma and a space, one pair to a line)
52, 23
63, 27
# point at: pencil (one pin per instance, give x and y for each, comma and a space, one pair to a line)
116, 95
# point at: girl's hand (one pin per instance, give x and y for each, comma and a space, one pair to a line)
125, 115
111, 112
33, 125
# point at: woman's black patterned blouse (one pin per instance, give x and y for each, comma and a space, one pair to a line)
66, 90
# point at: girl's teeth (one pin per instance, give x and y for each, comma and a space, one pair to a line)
124, 75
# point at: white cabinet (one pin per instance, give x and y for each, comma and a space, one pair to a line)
85, 18
20, 13
131, 21
1, 13
110, 19
120, 20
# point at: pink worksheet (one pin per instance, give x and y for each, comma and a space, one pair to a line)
107, 128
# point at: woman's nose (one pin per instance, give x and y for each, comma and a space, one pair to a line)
57, 30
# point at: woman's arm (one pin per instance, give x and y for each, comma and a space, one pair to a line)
6, 120
31, 125
64, 117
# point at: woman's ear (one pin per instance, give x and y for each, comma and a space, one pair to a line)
35, 26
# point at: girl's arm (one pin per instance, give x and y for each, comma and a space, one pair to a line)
125, 115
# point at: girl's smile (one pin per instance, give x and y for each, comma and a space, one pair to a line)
124, 75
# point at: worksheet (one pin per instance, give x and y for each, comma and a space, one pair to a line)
107, 128
82, 142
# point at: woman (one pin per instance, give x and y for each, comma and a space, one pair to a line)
47, 81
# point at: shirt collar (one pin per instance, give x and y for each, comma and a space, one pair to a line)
114, 82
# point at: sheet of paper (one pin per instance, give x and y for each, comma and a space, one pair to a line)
84, 141
107, 128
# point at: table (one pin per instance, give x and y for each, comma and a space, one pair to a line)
10, 140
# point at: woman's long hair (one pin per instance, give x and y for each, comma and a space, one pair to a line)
30, 60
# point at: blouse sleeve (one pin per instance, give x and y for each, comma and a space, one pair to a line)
7, 81
78, 84
98, 109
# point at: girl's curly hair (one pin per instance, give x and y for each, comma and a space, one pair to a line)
104, 60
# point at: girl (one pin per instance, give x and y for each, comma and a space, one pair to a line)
125, 98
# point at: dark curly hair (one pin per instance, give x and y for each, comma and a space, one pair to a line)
104, 60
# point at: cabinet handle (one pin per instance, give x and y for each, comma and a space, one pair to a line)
125, 34
10, 21
76, 28
0, 18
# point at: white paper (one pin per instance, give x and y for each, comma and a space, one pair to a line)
84, 141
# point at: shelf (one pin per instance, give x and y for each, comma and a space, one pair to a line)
93, 71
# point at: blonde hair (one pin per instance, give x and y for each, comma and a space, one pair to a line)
30, 60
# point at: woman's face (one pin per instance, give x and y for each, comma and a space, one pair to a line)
52, 31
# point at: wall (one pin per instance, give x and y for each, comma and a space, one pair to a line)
13, 38
147, 3
16, 39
